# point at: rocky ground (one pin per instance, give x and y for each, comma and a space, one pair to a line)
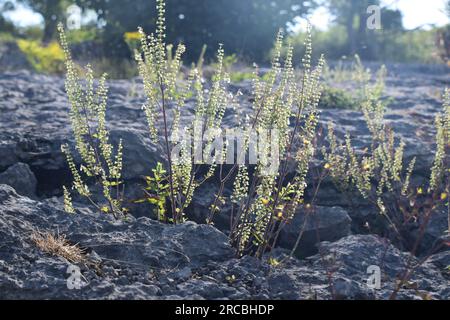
143, 259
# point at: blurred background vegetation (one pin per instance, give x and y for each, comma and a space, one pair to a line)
104, 31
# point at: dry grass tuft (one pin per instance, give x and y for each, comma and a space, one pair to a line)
58, 246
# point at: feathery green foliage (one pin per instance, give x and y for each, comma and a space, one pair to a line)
157, 191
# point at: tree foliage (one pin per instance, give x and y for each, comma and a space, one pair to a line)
242, 26
52, 11
353, 15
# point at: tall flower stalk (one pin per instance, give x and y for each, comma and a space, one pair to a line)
167, 91
100, 160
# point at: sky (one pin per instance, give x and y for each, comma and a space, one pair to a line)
24, 17
416, 13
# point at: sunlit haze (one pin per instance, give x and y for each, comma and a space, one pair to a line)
416, 13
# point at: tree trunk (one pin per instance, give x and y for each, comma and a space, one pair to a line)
363, 45
351, 35
49, 30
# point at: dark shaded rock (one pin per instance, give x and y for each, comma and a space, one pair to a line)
12, 58
324, 224
206, 289
329, 196
134, 191
143, 259
183, 274
350, 258
284, 286
340, 271
129, 249
140, 155
345, 289
436, 234
442, 262
200, 209
21, 178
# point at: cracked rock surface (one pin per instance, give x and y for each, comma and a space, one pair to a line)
143, 259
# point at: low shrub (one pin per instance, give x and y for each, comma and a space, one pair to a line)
44, 58
100, 160
82, 35
357, 80
132, 39
334, 98
263, 202
264, 199
381, 177
406, 46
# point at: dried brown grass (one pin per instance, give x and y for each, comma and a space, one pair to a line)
58, 245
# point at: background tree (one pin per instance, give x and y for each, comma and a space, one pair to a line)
443, 39
52, 11
242, 26
352, 14
6, 26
